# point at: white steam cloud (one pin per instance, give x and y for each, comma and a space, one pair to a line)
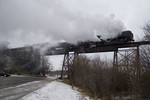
37, 21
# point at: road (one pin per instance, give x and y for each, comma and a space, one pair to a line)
14, 87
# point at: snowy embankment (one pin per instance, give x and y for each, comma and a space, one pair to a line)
56, 91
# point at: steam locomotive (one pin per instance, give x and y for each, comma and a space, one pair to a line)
123, 37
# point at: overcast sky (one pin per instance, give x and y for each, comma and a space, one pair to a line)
26, 22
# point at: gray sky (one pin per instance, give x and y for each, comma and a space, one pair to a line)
26, 22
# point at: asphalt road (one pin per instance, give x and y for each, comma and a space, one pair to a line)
16, 80
14, 87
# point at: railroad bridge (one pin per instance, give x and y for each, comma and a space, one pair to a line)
71, 53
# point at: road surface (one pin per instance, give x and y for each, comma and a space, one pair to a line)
14, 87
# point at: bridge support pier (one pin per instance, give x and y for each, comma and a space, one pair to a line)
115, 60
67, 61
127, 60
138, 62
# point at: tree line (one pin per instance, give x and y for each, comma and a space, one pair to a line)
24, 62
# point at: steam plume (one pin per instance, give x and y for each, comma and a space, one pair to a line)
32, 21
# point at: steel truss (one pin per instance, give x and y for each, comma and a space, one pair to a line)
127, 60
68, 60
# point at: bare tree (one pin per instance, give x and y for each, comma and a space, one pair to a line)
143, 83
30, 63
98, 77
45, 65
146, 30
145, 51
3, 57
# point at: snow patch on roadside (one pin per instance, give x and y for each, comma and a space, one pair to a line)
51, 77
15, 75
28, 83
55, 91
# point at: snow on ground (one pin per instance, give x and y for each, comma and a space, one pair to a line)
14, 75
28, 83
55, 91
51, 77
